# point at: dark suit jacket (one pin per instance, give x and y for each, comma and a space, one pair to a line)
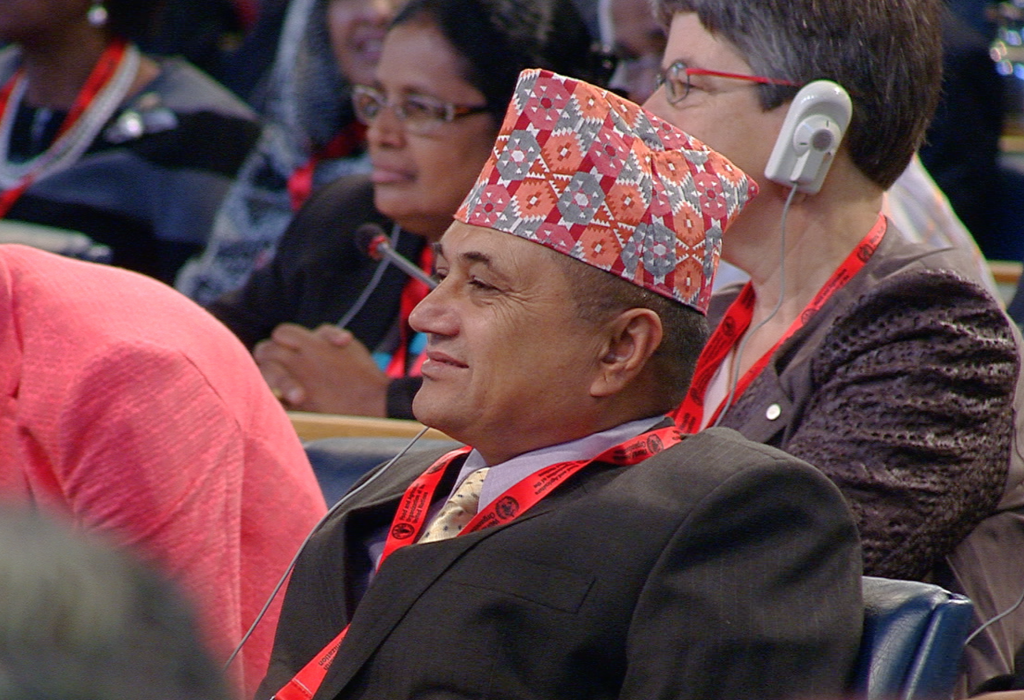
717, 569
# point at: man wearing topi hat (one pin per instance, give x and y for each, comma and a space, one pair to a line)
578, 547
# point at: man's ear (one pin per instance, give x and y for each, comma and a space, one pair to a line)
632, 337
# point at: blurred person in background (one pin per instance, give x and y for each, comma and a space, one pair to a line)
133, 151
312, 137
447, 72
234, 41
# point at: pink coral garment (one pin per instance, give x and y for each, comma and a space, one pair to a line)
131, 410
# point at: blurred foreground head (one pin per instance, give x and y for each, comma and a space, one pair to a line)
82, 620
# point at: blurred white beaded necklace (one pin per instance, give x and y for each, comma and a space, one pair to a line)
76, 138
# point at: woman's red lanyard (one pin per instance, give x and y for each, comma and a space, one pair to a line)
412, 513
734, 324
102, 72
412, 294
300, 184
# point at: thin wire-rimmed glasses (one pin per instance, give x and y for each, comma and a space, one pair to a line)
676, 79
420, 114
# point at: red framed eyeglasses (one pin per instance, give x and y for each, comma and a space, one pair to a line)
676, 79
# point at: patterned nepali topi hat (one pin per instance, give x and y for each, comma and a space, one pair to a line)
592, 175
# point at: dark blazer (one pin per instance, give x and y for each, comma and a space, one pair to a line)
319, 272
717, 569
904, 390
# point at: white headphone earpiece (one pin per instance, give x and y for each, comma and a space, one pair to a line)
810, 136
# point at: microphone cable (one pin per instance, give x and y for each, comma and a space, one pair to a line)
357, 306
378, 273
735, 370
994, 620
991, 621
334, 509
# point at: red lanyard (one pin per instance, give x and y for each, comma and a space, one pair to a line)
412, 512
101, 74
737, 319
300, 184
412, 294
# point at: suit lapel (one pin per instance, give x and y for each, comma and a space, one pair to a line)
340, 564
399, 583
404, 578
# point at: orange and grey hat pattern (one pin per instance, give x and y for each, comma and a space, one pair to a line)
594, 176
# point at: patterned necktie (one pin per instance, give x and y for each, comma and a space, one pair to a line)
456, 513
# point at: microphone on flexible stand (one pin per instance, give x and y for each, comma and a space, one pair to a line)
371, 239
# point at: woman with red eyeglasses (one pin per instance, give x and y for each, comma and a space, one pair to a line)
883, 362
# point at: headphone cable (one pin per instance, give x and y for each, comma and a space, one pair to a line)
343, 500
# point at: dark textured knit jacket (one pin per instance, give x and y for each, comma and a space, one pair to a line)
905, 390
901, 389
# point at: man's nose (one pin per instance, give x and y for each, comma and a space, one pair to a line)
433, 314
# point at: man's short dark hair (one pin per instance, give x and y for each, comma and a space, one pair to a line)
599, 295
888, 56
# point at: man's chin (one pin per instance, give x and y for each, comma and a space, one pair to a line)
449, 415
433, 411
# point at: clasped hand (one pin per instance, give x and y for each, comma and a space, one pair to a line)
325, 370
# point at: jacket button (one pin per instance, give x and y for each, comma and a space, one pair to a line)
773, 412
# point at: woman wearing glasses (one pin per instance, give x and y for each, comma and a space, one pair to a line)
446, 74
883, 362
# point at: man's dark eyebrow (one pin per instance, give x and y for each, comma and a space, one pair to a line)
475, 256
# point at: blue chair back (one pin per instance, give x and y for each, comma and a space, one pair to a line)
339, 462
913, 640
